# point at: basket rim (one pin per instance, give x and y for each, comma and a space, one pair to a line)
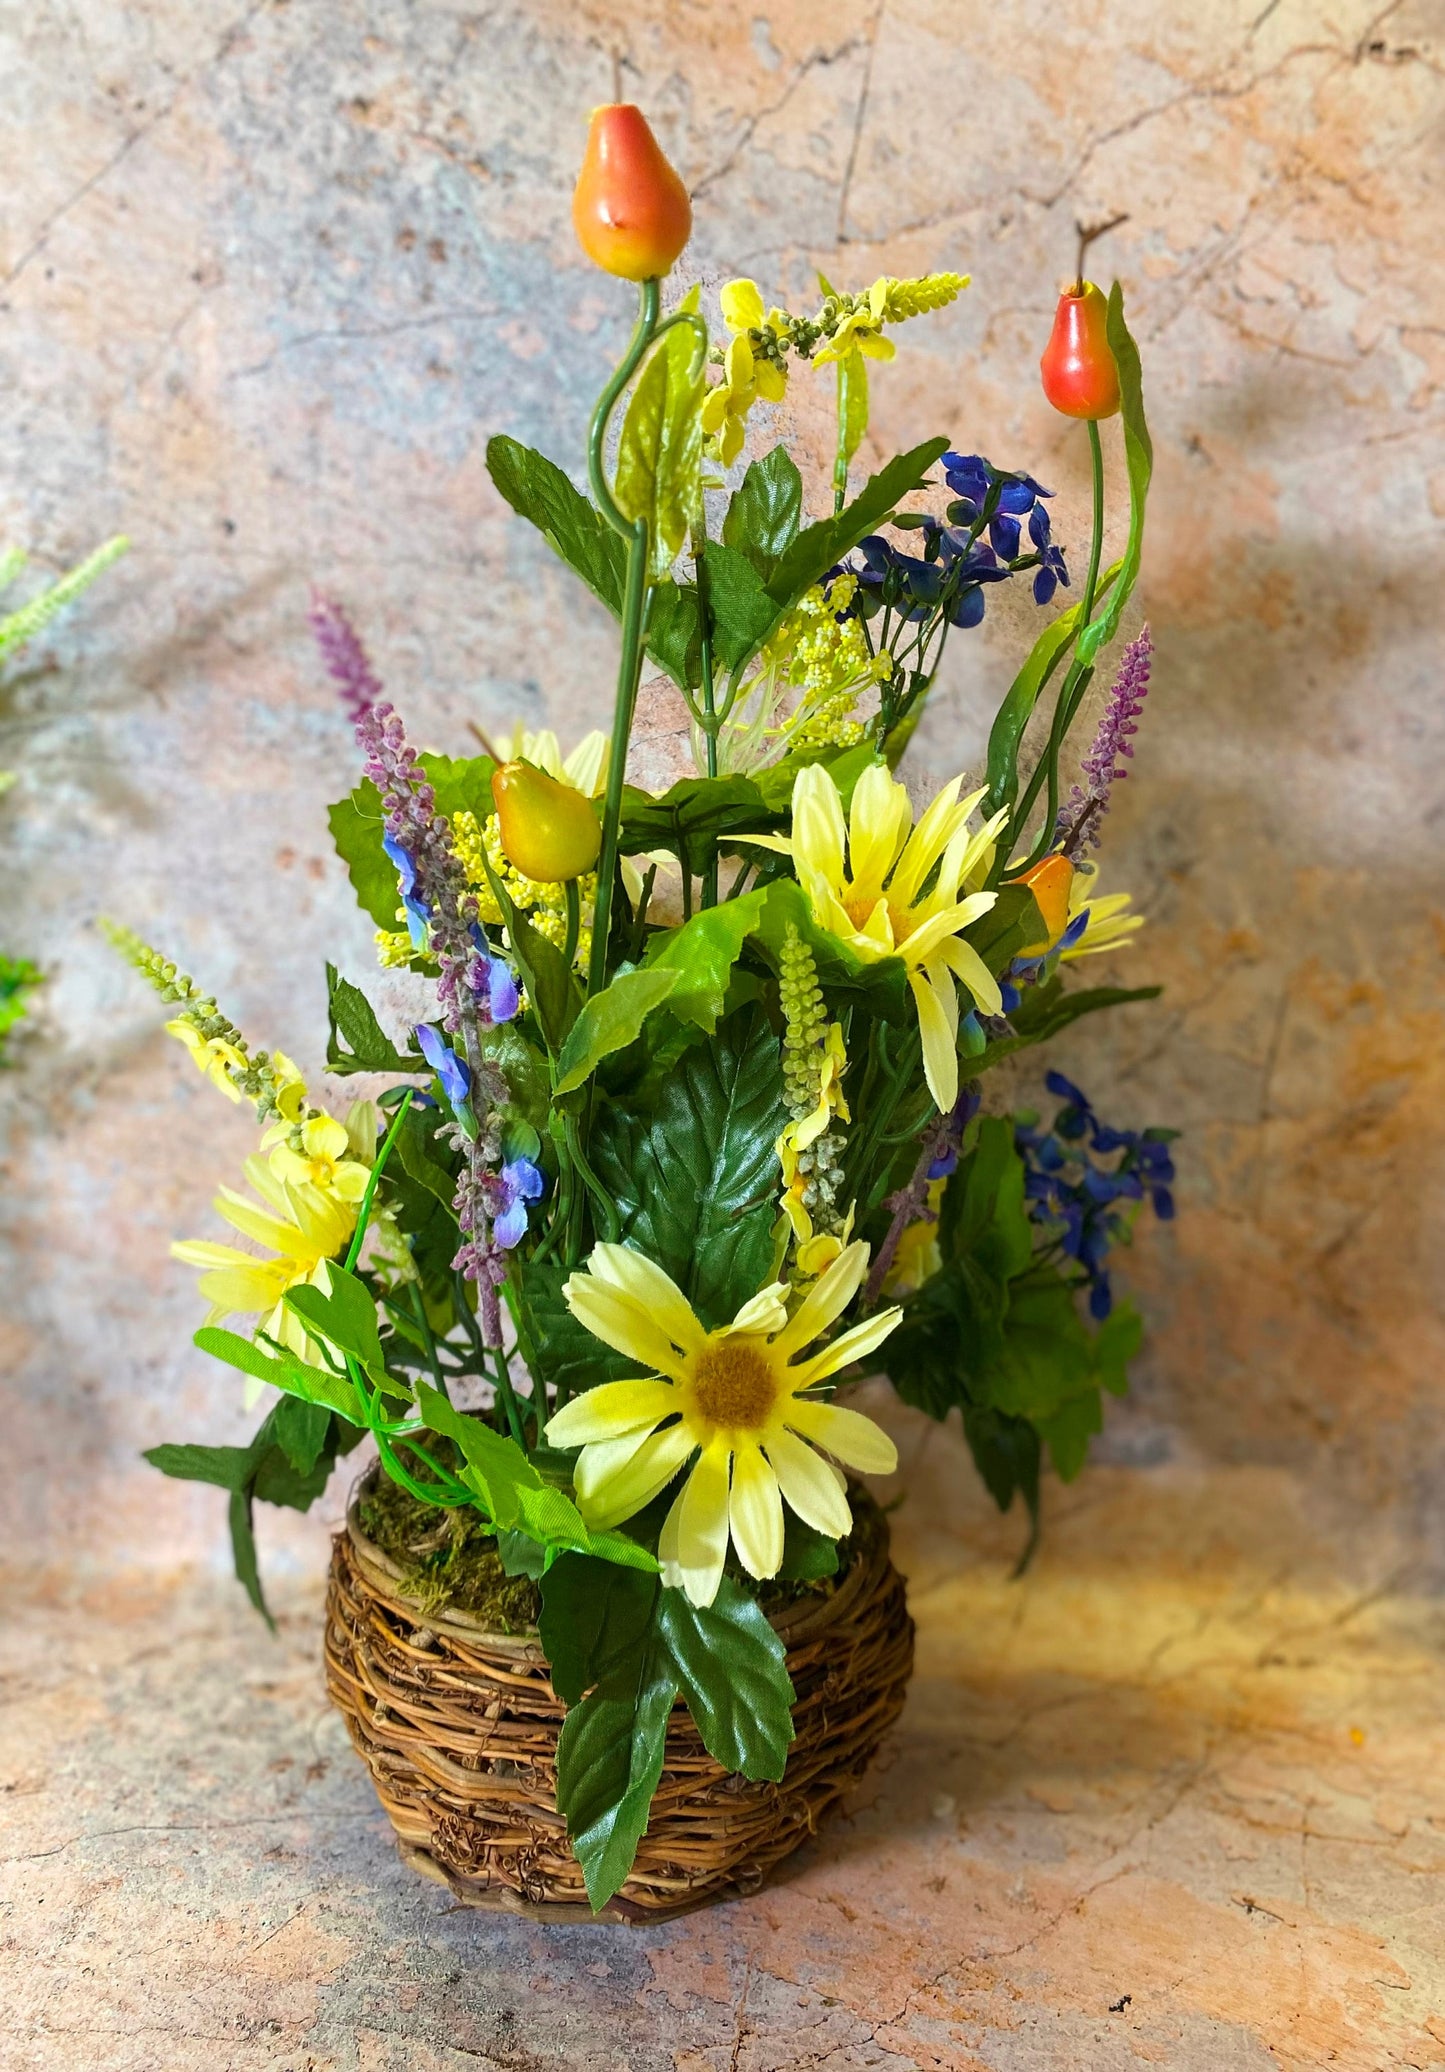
794, 1624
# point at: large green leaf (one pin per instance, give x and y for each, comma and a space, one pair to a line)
764, 514
560, 1353
659, 450
357, 830
732, 1670
696, 1181
1139, 464
609, 1021
595, 1616
703, 953
814, 551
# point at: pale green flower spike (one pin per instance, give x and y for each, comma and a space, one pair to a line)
814, 1060
23, 625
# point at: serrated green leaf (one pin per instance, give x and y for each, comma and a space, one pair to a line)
609, 1021
692, 815
351, 1020
595, 1617
764, 514
609, 1758
741, 610
343, 1314
695, 1182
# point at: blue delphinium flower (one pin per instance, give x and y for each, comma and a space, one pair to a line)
456, 1080
418, 913
519, 1182
1080, 1176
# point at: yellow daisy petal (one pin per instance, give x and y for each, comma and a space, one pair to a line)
847, 1434
610, 1409
826, 1300
755, 1513
854, 1344
697, 1543
940, 1059
809, 1484
648, 1473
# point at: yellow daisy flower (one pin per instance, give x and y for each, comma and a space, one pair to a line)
303, 1225
736, 1398
865, 878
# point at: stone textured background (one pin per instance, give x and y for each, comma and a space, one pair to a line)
270, 275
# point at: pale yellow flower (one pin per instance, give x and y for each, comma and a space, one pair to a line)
748, 377
318, 1157
301, 1225
1110, 925
865, 878
212, 1055
861, 331
735, 1398
585, 769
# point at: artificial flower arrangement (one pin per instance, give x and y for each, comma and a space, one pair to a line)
694, 1133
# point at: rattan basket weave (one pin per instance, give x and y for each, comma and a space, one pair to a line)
458, 1727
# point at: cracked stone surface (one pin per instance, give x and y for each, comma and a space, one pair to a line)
270, 276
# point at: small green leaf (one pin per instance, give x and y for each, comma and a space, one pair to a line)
1139, 465
282, 1370
351, 1020
764, 514
595, 1617
703, 952
659, 452
852, 407
742, 612
343, 1314
815, 550
1013, 716
609, 1021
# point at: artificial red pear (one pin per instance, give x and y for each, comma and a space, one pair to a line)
630, 209
1079, 374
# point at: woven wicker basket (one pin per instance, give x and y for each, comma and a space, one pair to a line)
458, 1727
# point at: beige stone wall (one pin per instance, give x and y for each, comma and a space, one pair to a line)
273, 274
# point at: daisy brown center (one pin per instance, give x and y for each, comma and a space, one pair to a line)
733, 1385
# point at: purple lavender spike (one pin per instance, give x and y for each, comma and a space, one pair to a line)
1077, 825
347, 662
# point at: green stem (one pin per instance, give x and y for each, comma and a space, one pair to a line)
507, 1396
574, 921
709, 704
363, 1214
418, 1308
1071, 693
634, 614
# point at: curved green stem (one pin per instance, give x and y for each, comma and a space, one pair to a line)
363, 1214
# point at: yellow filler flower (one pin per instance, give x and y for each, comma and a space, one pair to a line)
736, 1398
865, 878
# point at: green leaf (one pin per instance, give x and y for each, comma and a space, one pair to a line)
692, 815
696, 1181
415, 1142
984, 1214
814, 551
1139, 465
764, 514
282, 1370
1048, 1008
560, 1353
225, 1467
243, 1551
703, 952
742, 612
659, 451
1006, 1453
610, 1021
609, 1759
343, 1314
732, 1669
551, 987
351, 1020
595, 1617
1068, 1432
357, 830
577, 532
1013, 716
301, 1430
852, 405
808, 1555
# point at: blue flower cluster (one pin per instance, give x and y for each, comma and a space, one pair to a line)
957, 562
521, 1180
1080, 1175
